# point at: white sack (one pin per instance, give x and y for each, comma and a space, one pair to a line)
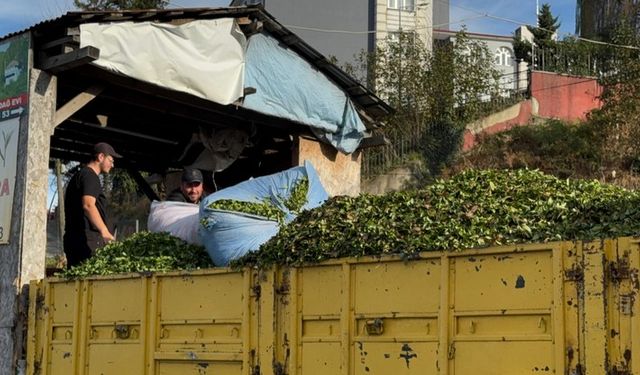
177, 218
203, 58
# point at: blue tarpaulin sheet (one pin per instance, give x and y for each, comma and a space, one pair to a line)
289, 87
228, 235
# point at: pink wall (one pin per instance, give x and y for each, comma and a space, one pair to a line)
564, 97
558, 96
523, 117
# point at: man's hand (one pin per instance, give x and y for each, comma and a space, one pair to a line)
107, 237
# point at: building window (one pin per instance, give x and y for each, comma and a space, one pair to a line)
408, 5
503, 56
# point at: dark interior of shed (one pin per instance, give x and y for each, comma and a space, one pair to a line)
153, 127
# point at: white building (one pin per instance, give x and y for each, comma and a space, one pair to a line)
513, 75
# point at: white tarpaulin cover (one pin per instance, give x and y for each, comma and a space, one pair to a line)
203, 58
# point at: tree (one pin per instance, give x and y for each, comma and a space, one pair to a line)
120, 4
435, 94
543, 35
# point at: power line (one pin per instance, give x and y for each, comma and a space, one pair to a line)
517, 22
338, 31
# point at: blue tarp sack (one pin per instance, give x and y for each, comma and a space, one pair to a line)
228, 235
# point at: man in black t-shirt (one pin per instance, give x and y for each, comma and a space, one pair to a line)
87, 225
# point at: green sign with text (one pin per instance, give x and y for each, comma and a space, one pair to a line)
14, 104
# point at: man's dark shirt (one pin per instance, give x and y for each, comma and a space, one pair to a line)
81, 237
177, 196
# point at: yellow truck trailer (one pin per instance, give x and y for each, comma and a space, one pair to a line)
554, 308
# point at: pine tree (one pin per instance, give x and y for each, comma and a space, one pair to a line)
543, 35
120, 4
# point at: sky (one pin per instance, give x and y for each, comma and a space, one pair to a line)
21, 14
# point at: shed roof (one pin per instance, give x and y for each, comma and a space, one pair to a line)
373, 106
142, 117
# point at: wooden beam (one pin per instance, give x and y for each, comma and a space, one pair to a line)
374, 141
69, 39
142, 183
75, 104
69, 60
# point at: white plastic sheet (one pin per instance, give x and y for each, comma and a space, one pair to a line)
203, 58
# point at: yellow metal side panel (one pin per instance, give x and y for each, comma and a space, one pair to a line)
320, 301
500, 358
401, 287
621, 256
117, 300
595, 332
114, 333
200, 318
197, 368
634, 332
63, 307
321, 358
266, 323
571, 302
512, 281
63, 302
322, 288
396, 310
502, 312
404, 357
201, 296
35, 327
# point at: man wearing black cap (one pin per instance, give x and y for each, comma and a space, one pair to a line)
190, 190
87, 223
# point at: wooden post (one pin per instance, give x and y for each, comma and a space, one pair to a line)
23, 258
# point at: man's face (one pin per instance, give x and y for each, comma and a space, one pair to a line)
192, 190
106, 163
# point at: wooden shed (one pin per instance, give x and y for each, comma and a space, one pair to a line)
66, 101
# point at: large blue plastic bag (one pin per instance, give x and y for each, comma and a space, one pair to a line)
228, 235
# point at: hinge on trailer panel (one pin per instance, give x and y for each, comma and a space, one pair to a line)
284, 287
620, 269
578, 370
278, 369
452, 351
257, 290
575, 273
619, 370
626, 304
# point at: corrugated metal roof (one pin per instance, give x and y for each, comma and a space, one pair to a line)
373, 106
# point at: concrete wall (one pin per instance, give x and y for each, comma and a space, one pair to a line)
339, 173
553, 95
23, 259
565, 97
516, 115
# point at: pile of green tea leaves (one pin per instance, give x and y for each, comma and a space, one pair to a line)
142, 252
476, 208
266, 208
